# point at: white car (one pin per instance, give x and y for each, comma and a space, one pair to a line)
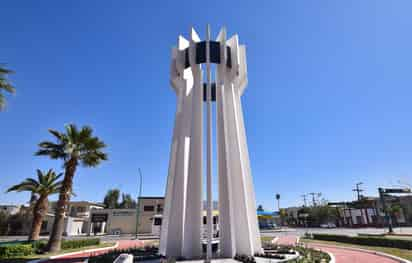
328, 225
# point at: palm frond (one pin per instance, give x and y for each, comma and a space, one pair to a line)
2, 102
26, 185
57, 134
7, 87
4, 71
72, 132
47, 183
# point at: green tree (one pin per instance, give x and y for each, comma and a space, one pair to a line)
73, 147
127, 202
278, 201
4, 223
5, 86
47, 183
111, 199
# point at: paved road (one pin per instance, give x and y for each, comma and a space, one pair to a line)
338, 231
270, 233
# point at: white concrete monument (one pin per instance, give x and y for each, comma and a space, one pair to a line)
182, 218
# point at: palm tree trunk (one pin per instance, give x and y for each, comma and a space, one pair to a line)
54, 244
39, 212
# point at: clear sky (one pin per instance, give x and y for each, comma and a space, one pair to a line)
328, 102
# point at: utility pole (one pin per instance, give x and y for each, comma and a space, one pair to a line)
138, 201
358, 190
313, 198
209, 149
385, 209
304, 200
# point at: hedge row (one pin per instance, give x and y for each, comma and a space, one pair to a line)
15, 250
367, 241
27, 248
70, 244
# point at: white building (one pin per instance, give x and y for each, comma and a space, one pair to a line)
10, 209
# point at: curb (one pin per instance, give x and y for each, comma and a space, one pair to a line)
332, 257
91, 250
398, 259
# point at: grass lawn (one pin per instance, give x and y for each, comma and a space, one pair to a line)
399, 237
402, 253
38, 256
266, 239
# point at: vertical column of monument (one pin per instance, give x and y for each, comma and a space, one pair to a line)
226, 232
174, 212
250, 193
238, 198
193, 218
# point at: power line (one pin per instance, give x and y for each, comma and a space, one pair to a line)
304, 200
314, 195
358, 190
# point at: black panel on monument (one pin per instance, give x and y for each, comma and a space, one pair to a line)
215, 52
229, 57
187, 62
213, 86
201, 52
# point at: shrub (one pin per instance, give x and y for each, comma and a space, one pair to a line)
367, 241
70, 244
245, 258
310, 255
16, 250
139, 254
39, 246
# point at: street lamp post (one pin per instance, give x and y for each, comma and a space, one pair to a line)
138, 201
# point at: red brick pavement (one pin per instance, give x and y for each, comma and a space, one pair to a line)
80, 257
350, 256
341, 255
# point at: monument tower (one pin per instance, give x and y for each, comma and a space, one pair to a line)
191, 79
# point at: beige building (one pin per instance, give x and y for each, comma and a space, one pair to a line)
77, 219
148, 208
79, 209
10, 209
123, 221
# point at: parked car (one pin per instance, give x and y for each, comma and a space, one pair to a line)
328, 225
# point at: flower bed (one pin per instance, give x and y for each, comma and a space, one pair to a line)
139, 254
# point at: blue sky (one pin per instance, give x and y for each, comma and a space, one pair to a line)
328, 102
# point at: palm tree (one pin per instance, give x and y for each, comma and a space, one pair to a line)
278, 198
74, 147
5, 86
111, 200
46, 184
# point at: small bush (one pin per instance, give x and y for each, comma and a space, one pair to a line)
16, 250
310, 255
245, 258
39, 246
70, 244
367, 241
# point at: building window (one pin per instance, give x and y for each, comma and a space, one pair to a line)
204, 220
215, 220
159, 208
157, 221
148, 208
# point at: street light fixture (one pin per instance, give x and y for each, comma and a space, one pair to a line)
138, 201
